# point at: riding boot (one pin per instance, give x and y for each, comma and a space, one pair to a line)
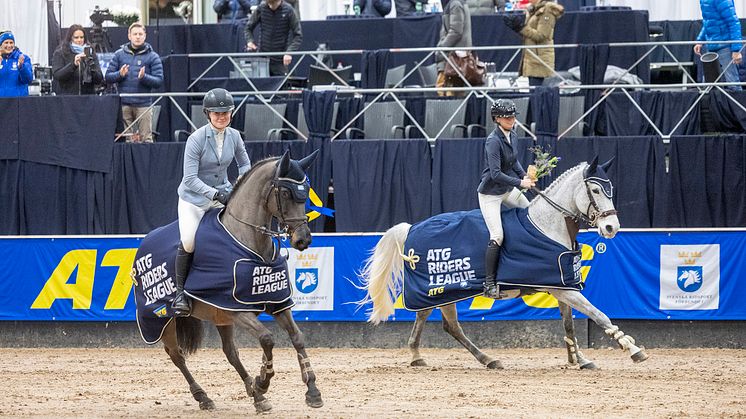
181, 304
491, 257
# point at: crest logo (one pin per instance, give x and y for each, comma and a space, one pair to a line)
161, 311
306, 279
689, 278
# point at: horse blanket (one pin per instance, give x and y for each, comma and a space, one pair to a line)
444, 258
224, 274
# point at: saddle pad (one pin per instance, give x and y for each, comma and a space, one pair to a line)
445, 258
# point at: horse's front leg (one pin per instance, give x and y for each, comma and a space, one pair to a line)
578, 301
574, 356
250, 322
171, 345
286, 321
231, 353
415, 337
452, 326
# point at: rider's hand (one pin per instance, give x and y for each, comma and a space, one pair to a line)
221, 197
527, 183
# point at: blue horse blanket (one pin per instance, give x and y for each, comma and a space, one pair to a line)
224, 274
445, 258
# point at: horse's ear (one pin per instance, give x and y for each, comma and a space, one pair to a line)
307, 161
608, 164
284, 164
591, 166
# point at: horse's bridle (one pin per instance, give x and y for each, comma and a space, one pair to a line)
286, 228
588, 218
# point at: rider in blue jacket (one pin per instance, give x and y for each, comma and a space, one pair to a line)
501, 178
15, 68
720, 23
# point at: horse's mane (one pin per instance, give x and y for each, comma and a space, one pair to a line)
254, 167
561, 178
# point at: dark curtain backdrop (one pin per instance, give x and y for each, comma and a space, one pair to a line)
665, 109
593, 62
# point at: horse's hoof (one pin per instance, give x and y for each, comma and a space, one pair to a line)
207, 405
495, 365
262, 406
589, 366
314, 401
418, 363
639, 356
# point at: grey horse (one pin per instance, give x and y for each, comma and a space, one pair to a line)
572, 195
258, 198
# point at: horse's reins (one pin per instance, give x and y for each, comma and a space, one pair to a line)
590, 220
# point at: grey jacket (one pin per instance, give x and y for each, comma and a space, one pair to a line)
456, 29
485, 7
204, 174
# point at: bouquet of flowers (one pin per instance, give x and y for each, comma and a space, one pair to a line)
544, 162
125, 16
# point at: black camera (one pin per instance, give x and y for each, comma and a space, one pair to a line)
99, 16
88, 51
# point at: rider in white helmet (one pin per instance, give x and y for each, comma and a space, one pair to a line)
501, 177
208, 153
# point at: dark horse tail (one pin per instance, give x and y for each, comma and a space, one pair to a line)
189, 334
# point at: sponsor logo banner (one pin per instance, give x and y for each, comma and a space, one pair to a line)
690, 277
312, 276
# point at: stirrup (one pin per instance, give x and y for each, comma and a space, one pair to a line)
492, 291
181, 305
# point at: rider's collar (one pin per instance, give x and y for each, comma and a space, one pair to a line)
605, 185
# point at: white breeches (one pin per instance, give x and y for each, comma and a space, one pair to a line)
189, 217
490, 206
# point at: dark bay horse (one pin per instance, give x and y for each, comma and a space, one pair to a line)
270, 190
583, 192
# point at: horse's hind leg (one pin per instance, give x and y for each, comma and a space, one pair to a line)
415, 336
171, 345
452, 326
231, 353
250, 322
574, 356
286, 321
579, 302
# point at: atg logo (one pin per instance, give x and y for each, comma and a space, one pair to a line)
306, 279
689, 278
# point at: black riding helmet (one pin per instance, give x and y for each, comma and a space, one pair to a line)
217, 100
503, 108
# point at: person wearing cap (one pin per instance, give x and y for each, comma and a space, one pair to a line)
208, 153
501, 178
16, 71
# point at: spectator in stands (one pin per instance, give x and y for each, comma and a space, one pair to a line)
521, 4
280, 32
232, 10
720, 23
454, 32
537, 29
75, 65
208, 153
501, 178
408, 7
16, 71
136, 68
373, 8
485, 7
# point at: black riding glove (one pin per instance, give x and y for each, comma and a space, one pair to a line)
515, 21
221, 197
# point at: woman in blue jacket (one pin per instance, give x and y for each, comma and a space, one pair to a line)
720, 23
15, 68
501, 178
205, 185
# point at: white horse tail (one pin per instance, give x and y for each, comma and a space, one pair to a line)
383, 273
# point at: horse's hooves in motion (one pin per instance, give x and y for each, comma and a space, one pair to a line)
589, 366
418, 363
314, 399
640, 356
262, 406
495, 365
207, 404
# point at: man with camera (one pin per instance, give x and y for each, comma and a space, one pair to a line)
75, 65
136, 68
